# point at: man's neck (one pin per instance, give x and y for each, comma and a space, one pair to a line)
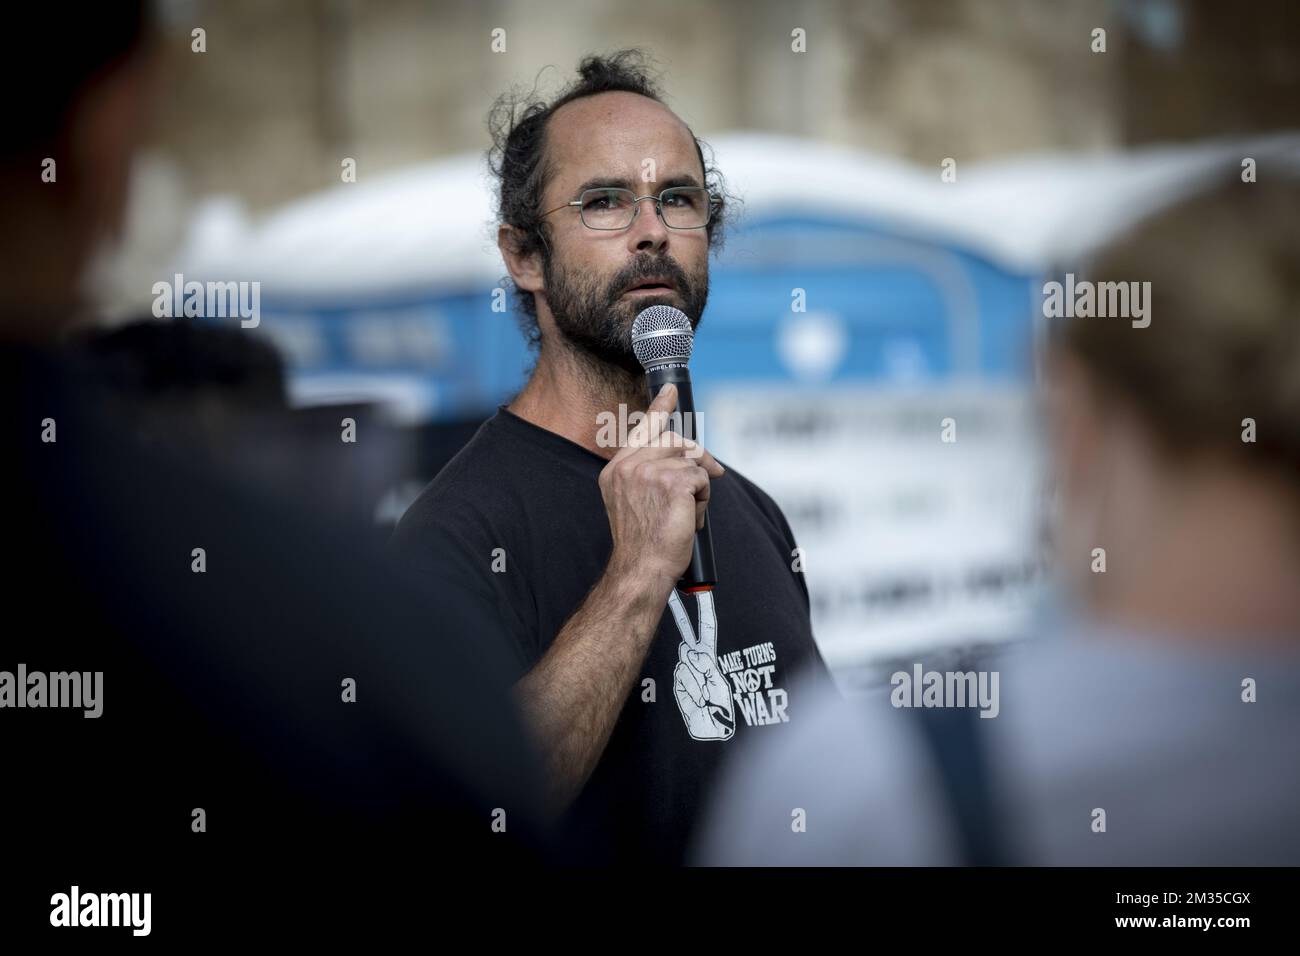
568, 390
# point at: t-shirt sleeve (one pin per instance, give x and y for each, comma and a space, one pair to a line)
772, 513
815, 667
784, 525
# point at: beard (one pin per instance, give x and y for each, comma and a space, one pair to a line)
595, 318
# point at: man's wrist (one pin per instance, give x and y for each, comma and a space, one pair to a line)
637, 584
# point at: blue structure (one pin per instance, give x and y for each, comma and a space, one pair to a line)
886, 306
385, 289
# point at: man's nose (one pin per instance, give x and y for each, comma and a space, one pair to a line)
647, 232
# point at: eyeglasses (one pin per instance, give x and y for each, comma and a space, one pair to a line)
680, 207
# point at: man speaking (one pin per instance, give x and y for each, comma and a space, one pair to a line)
634, 691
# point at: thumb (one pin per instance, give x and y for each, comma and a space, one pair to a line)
656, 417
665, 401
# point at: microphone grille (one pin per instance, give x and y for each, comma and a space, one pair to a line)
661, 333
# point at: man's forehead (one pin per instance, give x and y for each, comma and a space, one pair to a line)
613, 134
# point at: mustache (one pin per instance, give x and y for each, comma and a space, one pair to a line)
648, 267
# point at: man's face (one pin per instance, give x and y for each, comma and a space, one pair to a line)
627, 141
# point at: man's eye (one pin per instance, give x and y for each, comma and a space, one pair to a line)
601, 201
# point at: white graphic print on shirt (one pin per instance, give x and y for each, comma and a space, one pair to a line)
700, 679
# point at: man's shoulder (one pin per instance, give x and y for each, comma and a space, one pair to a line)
479, 459
753, 495
747, 487
472, 487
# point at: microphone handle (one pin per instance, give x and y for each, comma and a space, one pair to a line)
700, 574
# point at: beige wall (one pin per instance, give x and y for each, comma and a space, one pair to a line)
286, 89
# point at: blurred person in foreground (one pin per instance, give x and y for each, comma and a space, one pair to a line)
202, 684
1168, 697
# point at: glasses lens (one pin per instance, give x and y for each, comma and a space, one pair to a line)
686, 207
607, 208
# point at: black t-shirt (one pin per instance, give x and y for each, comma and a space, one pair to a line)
521, 507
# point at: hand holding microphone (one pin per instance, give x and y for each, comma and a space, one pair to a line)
656, 489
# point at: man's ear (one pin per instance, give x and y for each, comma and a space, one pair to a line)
525, 270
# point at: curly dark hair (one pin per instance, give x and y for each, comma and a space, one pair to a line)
517, 159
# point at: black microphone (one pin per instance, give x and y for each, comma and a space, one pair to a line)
662, 339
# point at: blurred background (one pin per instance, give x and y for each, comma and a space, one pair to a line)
909, 170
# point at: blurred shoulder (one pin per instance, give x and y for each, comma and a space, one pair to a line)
844, 788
